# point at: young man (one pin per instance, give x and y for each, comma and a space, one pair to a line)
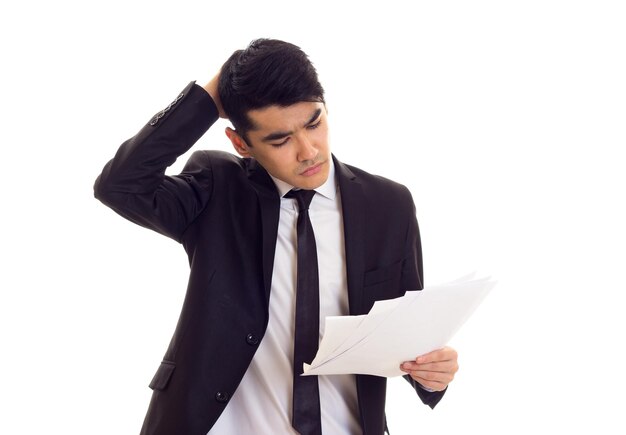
234, 361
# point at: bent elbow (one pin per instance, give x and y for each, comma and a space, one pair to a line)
103, 191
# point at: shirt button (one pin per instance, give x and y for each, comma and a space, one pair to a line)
252, 339
221, 397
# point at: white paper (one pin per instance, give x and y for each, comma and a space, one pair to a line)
397, 330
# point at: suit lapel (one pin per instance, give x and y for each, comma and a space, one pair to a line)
352, 203
269, 204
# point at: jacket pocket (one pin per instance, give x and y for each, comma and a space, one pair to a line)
162, 376
380, 284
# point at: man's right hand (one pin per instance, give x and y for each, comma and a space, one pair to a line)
212, 89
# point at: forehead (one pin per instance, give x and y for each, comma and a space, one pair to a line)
284, 118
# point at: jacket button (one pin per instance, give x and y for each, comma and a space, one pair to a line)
252, 339
221, 397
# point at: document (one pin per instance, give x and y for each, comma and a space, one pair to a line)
397, 330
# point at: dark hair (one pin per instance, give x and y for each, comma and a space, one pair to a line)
268, 72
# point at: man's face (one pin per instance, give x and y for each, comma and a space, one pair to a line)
291, 143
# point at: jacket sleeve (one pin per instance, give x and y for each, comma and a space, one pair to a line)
134, 183
412, 264
413, 279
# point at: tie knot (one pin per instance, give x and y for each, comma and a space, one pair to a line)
303, 197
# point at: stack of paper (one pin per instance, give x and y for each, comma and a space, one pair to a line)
397, 330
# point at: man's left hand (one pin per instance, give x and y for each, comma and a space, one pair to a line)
435, 370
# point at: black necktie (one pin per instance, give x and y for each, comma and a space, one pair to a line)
306, 418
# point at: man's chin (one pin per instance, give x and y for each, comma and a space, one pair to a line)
312, 181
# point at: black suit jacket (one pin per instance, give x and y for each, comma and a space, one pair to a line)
224, 210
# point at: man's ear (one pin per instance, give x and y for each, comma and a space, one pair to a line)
238, 142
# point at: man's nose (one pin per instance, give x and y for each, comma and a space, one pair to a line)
307, 150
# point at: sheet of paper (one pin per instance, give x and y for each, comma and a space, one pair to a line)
397, 330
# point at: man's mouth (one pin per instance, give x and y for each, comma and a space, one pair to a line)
312, 170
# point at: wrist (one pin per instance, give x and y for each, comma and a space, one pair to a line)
212, 89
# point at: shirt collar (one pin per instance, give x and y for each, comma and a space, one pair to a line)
328, 189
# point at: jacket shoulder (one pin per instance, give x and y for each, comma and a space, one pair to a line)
215, 160
380, 188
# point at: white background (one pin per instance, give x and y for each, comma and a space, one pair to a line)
505, 119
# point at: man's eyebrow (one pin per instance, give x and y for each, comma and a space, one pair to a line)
315, 115
282, 134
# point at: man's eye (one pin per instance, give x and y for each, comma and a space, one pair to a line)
280, 144
314, 126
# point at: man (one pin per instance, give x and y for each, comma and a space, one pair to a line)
233, 364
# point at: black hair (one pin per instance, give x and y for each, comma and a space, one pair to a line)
268, 72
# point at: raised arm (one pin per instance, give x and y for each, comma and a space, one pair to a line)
134, 183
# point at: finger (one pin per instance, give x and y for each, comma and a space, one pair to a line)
445, 354
443, 378
443, 367
434, 367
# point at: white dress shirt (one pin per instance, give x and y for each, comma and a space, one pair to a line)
263, 401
